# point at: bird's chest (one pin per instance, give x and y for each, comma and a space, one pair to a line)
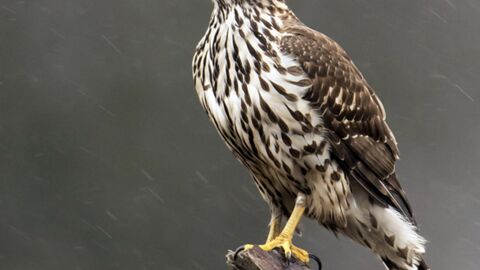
252, 92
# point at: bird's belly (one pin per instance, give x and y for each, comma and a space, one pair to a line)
283, 158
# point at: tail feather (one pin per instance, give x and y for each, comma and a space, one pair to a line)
387, 233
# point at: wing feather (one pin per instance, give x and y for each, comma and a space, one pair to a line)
362, 143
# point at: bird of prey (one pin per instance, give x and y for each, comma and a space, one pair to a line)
294, 109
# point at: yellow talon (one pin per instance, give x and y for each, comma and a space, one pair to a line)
248, 246
284, 239
285, 242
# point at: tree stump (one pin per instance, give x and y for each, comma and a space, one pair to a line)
258, 259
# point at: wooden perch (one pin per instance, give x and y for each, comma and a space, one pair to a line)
258, 259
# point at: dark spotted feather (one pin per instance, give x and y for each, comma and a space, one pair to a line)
361, 140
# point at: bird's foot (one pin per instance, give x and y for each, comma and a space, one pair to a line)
284, 242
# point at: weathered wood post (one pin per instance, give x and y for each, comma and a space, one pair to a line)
258, 259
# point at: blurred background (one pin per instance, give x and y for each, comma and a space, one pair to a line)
107, 160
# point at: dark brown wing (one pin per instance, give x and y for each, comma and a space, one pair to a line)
354, 117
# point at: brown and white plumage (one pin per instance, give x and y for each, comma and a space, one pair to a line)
295, 110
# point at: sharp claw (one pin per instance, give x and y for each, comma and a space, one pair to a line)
237, 251
317, 260
287, 261
288, 255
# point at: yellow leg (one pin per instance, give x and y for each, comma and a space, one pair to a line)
284, 239
275, 226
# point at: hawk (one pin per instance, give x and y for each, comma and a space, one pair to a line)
294, 109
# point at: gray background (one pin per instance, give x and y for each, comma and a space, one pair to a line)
108, 162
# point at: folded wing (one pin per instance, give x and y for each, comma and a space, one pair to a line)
361, 141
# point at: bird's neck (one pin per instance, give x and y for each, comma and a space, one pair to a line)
259, 3
253, 8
